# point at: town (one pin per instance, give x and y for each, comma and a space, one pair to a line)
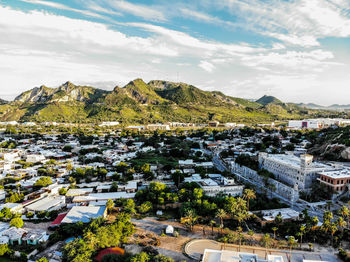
172, 192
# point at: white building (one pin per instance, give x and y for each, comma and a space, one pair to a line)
109, 124
297, 172
216, 184
34, 158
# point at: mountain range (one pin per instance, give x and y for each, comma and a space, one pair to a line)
140, 102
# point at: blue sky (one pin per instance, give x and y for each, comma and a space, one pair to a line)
296, 50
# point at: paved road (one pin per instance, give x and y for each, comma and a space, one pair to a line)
195, 249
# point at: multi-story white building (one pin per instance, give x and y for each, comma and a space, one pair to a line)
296, 172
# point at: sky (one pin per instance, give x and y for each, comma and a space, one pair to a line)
296, 50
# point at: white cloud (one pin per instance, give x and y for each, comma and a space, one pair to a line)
62, 7
299, 22
143, 11
206, 66
39, 47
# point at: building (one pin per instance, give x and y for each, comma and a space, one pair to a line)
317, 123
153, 127
84, 214
336, 180
109, 124
47, 204
215, 184
211, 255
299, 172
34, 158
268, 216
213, 123
102, 197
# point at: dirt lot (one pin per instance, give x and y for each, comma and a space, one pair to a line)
149, 229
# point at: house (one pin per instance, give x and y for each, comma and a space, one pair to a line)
14, 207
35, 236
78, 191
84, 214
34, 158
102, 197
336, 180
47, 204
15, 235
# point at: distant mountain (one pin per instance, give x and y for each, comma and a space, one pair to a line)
140, 102
265, 100
331, 107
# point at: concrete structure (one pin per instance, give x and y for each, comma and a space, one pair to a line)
34, 158
336, 180
158, 127
216, 184
317, 123
296, 172
102, 197
47, 204
211, 255
84, 214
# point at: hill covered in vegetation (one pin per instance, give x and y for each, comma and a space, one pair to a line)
140, 102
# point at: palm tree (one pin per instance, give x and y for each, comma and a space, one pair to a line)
266, 242
345, 213
333, 229
190, 219
239, 230
310, 246
302, 231
274, 229
212, 224
221, 214
247, 195
291, 243
314, 223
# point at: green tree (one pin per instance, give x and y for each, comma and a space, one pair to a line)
145, 207
190, 219
161, 258
43, 181
109, 205
221, 214
4, 249
248, 194
142, 257
266, 241
16, 222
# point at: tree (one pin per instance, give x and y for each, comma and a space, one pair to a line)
16, 222
247, 195
212, 224
62, 191
274, 229
345, 213
161, 258
43, 181
142, 257
145, 207
266, 242
43, 259
190, 219
221, 213
129, 206
302, 231
4, 249
291, 243
109, 205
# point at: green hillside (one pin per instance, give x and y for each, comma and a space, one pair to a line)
140, 102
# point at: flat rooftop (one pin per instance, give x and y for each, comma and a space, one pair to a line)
83, 214
294, 161
342, 173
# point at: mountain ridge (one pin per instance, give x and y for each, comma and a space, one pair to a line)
141, 102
